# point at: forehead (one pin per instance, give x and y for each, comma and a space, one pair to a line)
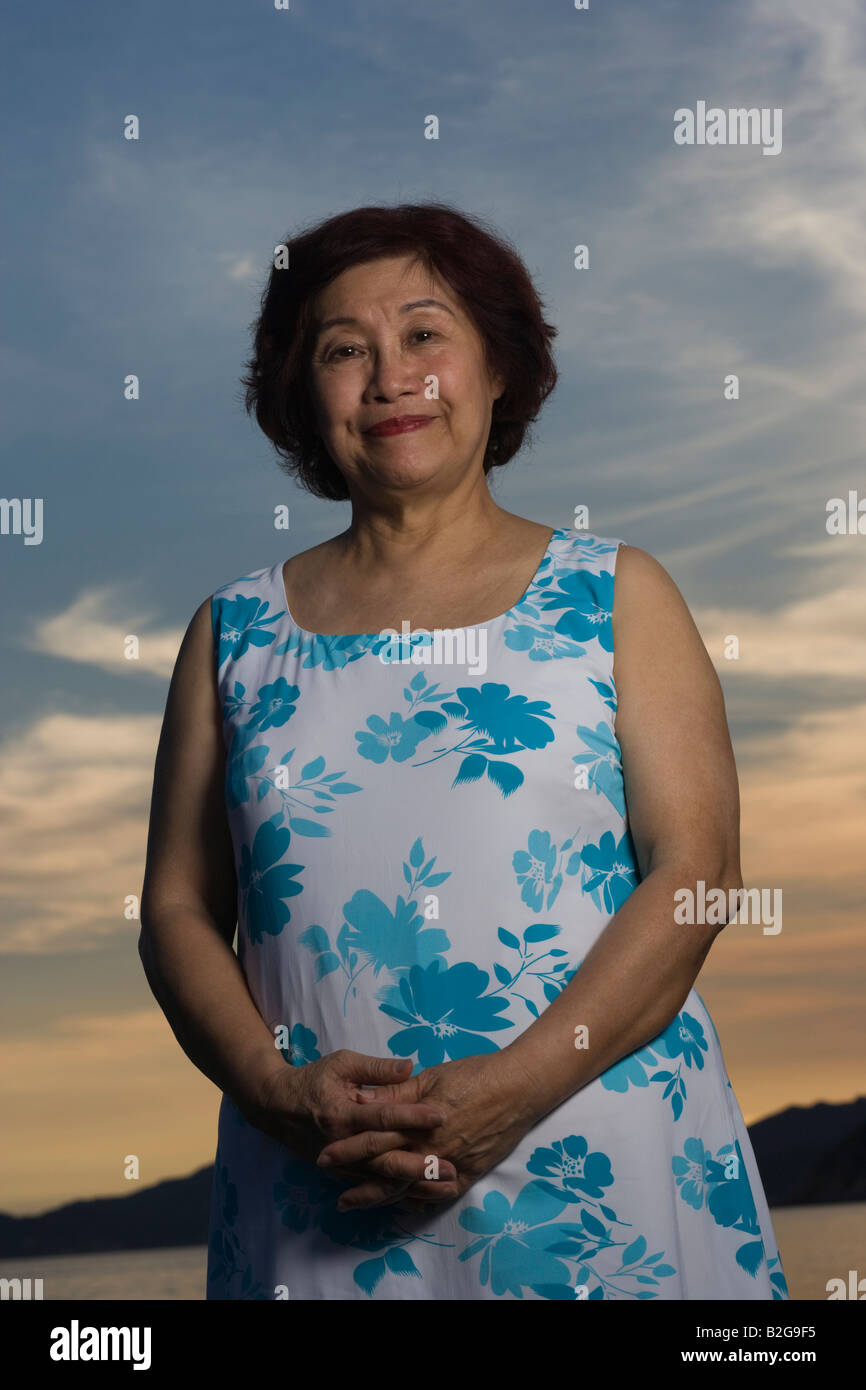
392, 283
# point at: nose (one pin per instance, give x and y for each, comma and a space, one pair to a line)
392, 374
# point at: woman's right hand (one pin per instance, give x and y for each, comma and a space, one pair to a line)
308, 1107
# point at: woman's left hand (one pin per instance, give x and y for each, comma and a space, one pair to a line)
487, 1101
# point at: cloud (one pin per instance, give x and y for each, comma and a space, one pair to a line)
241, 267
802, 806
74, 793
822, 635
93, 632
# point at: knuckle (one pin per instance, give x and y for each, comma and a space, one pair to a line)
391, 1165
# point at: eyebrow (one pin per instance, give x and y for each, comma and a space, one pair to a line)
404, 309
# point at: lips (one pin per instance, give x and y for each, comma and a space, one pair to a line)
400, 425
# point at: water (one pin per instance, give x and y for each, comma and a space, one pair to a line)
817, 1244
175, 1273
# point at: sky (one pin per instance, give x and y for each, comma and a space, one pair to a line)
557, 127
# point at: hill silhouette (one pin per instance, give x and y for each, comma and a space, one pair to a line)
806, 1155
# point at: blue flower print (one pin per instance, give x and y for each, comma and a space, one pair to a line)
515, 1239
374, 935
593, 548
373, 1229
311, 789
724, 1183
241, 623
629, 1071
275, 704
533, 1247
265, 882
588, 602
306, 1199
301, 1192
610, 874
242, 763
538, 639
303, 1047
535, 869
332, 653
576, 1168
505, 724
364, 1228
731, 1201
683, 1037
229, 1273
445, 1013
694, 1172
510, 721
394, 940
553, 977
397, 739
604, 760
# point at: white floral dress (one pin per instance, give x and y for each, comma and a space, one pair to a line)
425, 852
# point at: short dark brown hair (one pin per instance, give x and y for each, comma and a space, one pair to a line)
482, 269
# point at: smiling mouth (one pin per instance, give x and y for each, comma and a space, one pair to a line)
400, 426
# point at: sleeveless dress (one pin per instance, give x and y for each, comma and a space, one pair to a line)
428, 840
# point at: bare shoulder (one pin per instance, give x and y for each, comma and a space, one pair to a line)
654, 633
196, 649
679, 772
192, 702
645, 595
640, 582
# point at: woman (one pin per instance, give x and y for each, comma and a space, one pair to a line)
452, 856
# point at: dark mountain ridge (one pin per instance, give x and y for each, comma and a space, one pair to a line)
806, 1155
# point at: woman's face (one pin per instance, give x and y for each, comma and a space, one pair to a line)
394, 357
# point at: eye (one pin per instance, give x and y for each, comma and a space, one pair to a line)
352, 347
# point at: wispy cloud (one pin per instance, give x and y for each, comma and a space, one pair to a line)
98, 629
820, 635
74, 793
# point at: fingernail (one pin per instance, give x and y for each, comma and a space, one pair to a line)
323, 1160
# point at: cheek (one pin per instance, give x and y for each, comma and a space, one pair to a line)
462, 385
337, 404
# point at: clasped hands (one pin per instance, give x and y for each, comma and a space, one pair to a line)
469, 1114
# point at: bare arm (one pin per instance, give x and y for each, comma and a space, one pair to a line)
683, 803
188, 905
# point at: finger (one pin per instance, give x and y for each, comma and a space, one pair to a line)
393, 1091
370, 1194
358, 1173
376, 1071
372, 1144
426, 1190
418, 1116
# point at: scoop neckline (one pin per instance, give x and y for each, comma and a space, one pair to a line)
280, 584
